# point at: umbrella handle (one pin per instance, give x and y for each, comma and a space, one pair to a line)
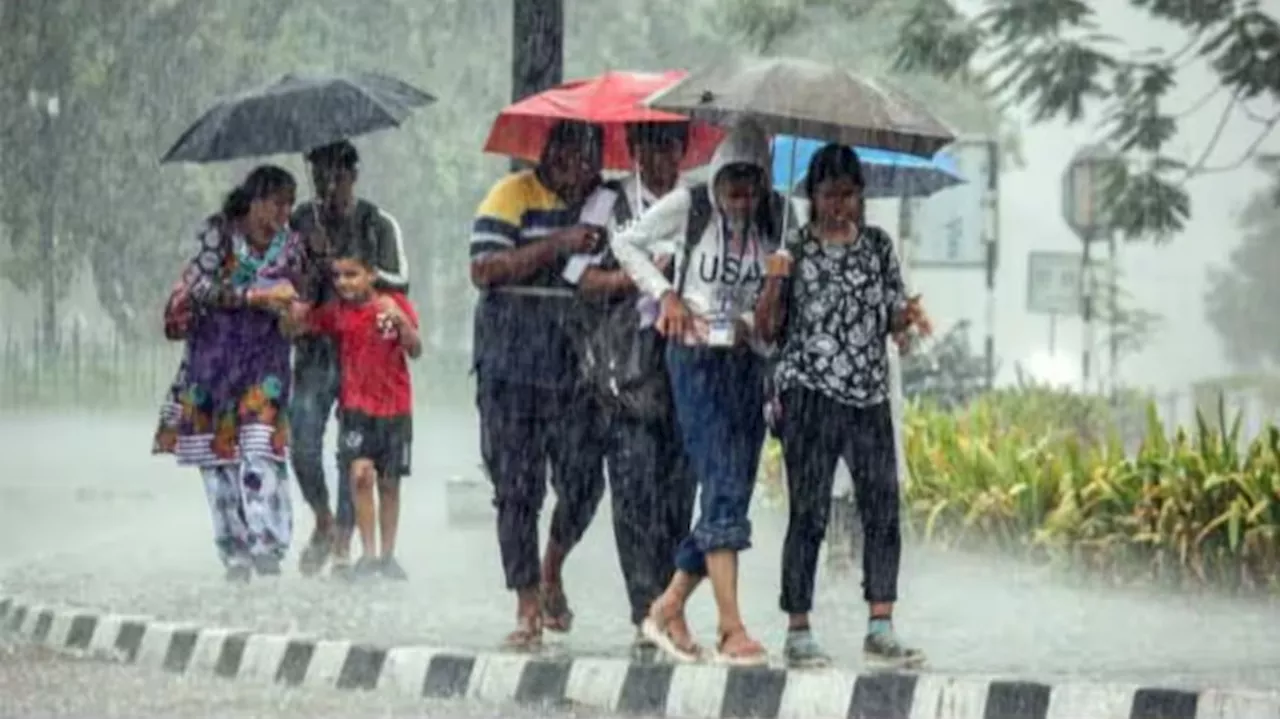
791, 190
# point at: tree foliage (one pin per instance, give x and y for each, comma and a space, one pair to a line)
132, 74
1242, 295
1053, 59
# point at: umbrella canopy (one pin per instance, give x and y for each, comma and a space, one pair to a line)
887, 174
296, 114
790, 96
611, 100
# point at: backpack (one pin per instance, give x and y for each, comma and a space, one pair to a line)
624, 367
769, 218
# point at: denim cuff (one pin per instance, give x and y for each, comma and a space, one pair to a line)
721, 534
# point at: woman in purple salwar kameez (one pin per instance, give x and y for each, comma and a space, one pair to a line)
226, 412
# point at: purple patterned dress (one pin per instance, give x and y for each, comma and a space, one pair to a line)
226, 412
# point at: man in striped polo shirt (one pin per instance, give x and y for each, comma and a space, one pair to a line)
532, 410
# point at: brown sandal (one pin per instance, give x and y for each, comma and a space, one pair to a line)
556, 615
737, 648
679, 645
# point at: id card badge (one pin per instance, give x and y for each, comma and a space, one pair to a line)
720, 325
720, 331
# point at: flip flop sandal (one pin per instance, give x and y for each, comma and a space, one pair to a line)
556, 615
749, 654
659, 632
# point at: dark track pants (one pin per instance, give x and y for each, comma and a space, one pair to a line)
816, 432
315, 392
524, 431
652, 491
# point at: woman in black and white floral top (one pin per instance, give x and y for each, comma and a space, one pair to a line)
832, 298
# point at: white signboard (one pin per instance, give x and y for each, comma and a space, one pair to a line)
1053, 283
949, 227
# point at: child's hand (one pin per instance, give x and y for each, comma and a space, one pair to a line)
298, 312
389, 312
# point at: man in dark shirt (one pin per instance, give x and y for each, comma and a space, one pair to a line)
336, 222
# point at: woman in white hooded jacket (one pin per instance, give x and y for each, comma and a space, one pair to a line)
721, 235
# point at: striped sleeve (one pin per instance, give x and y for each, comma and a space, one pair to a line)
497, 224
393, 263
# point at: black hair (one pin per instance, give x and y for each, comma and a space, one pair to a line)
658, 133
352, 253
341, 154
741, 172
577, 135
264, 181
833, 162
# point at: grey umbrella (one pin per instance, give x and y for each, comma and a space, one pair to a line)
295, 114
790, 96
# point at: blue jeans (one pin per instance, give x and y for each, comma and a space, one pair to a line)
315, 391
719, 399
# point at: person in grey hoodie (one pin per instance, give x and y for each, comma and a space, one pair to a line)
721, 234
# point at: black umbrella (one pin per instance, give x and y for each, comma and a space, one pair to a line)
296, 114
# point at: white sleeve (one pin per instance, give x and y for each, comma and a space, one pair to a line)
666, 219
399, 275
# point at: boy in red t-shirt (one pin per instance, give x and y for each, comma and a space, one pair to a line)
375, 332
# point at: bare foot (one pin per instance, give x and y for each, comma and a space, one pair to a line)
526, 637
556, 614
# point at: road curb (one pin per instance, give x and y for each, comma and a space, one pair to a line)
695, 691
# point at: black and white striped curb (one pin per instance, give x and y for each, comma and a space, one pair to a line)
611, 685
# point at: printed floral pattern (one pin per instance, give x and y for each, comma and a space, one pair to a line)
232, 389
841, 302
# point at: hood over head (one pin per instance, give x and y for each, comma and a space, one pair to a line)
746, 143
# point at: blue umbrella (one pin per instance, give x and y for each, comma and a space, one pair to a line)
888, 174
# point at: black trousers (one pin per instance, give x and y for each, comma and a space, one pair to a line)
527, 434
816, 432
652, 490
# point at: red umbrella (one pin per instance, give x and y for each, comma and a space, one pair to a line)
613, 101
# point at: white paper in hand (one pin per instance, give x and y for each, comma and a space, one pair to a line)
577, 265
598, 209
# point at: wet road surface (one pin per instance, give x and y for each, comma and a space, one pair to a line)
88, 518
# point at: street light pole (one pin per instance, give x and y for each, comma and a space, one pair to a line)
537, 49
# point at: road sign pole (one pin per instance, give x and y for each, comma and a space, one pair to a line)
1086, 311
1114, 316
1053, 335
1085, 207
991, 225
